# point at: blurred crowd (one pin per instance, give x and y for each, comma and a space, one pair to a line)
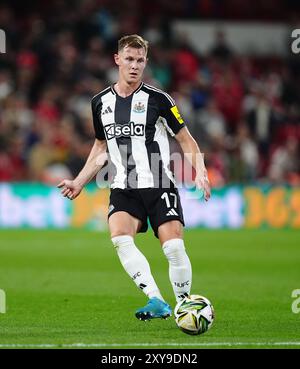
243, 111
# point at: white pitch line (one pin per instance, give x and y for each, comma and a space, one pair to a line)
103, 345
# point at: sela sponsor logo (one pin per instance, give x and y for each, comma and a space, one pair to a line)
115, 130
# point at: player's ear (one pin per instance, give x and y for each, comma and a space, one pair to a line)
117, 59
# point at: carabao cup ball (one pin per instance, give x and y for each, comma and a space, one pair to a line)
194, 314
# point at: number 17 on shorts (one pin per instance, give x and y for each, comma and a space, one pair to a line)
171, 202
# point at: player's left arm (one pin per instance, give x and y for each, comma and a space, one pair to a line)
177, 128
193, 154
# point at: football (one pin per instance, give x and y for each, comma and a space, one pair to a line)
194, 314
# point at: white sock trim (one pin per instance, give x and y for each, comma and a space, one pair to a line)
173, 245
119, 240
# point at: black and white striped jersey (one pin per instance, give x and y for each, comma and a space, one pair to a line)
135, 128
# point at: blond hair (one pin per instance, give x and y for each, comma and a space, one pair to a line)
135, 41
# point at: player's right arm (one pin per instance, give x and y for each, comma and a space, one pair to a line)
95, 161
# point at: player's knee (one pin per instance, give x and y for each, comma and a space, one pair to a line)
177, 233
124, 231
170, 230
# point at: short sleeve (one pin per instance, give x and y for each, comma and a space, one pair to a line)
98, 126
170, 112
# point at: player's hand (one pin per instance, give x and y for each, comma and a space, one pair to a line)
202, 182
70, 189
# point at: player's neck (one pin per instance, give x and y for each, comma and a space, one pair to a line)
124, 89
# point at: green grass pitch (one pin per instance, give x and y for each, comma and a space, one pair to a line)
68, 289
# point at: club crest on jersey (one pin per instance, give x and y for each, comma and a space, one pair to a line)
139, 108
115, 130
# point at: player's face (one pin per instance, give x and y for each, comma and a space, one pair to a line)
131, 62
